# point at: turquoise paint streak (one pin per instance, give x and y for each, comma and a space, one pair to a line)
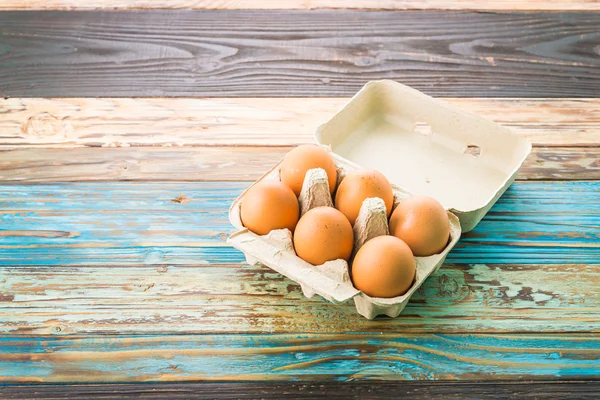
293, 356
137, 223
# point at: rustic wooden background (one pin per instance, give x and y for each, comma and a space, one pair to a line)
127, 128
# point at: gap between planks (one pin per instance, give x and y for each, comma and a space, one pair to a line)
125, 122
495, 5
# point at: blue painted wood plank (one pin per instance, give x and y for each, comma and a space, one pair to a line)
298, 357
228, 298
135, 223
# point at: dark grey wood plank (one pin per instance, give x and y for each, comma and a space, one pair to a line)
297, 53
363, 391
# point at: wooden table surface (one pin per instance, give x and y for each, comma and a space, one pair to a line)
127, 129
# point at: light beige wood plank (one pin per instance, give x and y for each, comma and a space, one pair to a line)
228, 164
550, 5
139, 164
60, 123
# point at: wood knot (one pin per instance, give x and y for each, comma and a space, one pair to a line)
181, 199
44, 126
447, 286
61, 330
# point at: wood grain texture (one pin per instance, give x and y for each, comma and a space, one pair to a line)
229, 163
226, 298
505, 5
298, 357
418, 390
130, 223
35, 122
297, 53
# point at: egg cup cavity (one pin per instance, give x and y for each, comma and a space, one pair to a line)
331, 280
315, 191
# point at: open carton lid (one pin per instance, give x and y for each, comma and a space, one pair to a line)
427, 146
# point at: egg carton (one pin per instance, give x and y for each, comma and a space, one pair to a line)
332, 279
422, 145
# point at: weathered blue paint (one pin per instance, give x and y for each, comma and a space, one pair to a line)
137, 223
226, 298
298, 357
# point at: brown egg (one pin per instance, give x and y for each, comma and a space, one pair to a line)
384, 267
360, 185
269, 205
298, 161
323, 234
422, 223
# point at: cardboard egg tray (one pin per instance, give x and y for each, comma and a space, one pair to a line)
422, 145
332, 279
